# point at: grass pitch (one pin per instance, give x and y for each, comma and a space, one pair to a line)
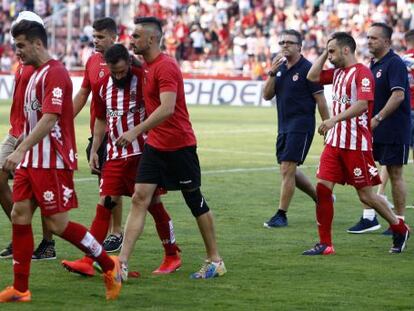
266, 270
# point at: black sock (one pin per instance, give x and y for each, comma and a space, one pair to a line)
281, 212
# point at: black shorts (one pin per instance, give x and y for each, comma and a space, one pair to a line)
293, 147
101, 151
171, 170
391, 154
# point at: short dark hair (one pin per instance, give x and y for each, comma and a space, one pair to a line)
344, 39
116, 53
105, 23
293, 32
31, 30
386, 30
149, 20
409, 35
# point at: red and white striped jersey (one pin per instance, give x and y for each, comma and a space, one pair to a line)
50, 91
350, 84
123, 109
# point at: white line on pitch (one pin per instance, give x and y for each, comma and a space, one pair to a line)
214, 172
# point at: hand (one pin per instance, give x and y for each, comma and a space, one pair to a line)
126, 138
13, 160
374, 123
94, 163
277, 62
326, 126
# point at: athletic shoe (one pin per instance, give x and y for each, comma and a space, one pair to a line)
9, 294
276, 221
45, 251
210, 269
169, 265
365, 225
320, 249
399, 241
7, 252
113, 243
81, 266
113, 280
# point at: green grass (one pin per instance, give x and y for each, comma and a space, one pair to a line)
266, 270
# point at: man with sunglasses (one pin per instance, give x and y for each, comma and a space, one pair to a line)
296, 99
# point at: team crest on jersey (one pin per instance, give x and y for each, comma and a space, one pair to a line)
295, 77
48, 196
378, 74
279, 73
357, 172
101, 74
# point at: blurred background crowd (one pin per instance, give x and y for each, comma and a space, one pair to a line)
210, 37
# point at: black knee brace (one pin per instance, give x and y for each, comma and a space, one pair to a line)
196, 202
108, 203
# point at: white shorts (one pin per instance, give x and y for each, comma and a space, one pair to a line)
6, 148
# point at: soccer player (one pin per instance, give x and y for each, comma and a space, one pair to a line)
96, 71
47, 153
104, 36
391, 123
120, 101
347, 156
169, 158
296, 101
46, 248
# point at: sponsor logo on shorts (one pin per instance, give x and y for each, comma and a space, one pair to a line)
67, 194
185, 182
373, 171
48, 196
357, 172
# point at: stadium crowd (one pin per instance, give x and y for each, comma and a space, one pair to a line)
234, 37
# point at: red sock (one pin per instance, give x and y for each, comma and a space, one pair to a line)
165, 228
23, 245
400, 228
100, 223
79, 236
324, 213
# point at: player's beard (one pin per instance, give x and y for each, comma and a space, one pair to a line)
121, 83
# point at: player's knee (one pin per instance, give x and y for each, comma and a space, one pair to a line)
109, 203
139, 200
196, 202
322, 191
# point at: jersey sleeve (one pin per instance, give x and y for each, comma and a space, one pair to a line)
86, 83
99, 105
364, 84
397, 75
168, 78
55, 86
326, 76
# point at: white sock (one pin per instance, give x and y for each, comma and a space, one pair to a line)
369, 213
